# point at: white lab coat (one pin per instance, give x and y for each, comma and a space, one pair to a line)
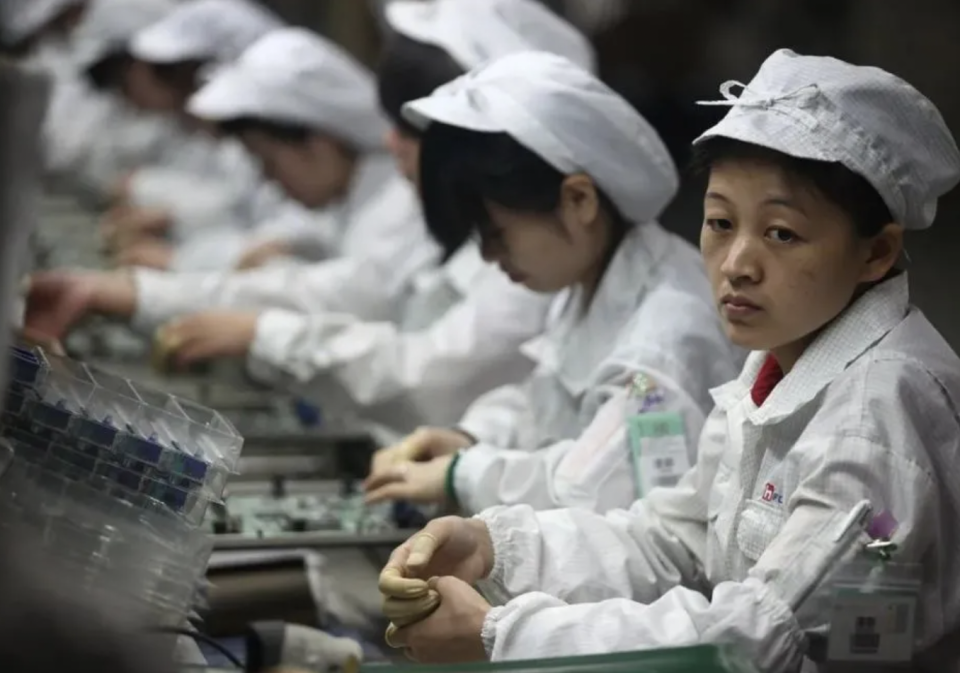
869, 412
652, 314
458, 338
379, 239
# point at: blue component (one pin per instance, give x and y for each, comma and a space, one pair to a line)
53, 416
100, 434
25, 367
308, 415
140, 449
407, 516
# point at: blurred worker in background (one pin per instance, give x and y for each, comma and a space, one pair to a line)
396, 355
633, 329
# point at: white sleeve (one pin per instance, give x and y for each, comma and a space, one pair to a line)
404, 379
494, 419
593, 471
635, 580
315, 288
683, 358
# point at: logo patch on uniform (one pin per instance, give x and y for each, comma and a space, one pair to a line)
646, 393
770, 494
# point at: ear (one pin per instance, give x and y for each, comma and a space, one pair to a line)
883, 251
579, 202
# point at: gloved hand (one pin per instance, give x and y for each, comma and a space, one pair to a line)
424, 444
447, 547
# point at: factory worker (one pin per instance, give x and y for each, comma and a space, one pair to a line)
564, 212
850, 397
75, 147
212, 201
31, 26
460, 324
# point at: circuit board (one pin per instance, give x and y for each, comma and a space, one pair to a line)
304, 518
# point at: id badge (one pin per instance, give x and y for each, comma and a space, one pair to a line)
874, 613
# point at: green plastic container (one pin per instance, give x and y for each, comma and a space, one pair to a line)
701, 659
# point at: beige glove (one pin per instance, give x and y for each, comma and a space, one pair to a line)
164, 348
405, 601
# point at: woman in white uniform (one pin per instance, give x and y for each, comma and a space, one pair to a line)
206, 206
849, 401
574, 213
453, 334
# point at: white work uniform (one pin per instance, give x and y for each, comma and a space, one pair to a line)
294, 76
869, 412
75, 144
652, 315
219, 202
459, 327
459, 337
380, 207
652, 312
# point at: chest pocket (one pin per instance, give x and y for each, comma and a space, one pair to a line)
759, 523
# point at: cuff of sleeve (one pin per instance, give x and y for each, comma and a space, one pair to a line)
160, 298
473, 428
209, 251
471, 467
274, 338
489, 632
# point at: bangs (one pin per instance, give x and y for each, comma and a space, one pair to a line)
450, 185
410, 70
461, 171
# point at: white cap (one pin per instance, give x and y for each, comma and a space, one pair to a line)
295, 76
111, 24
205, 30
569, 118
21, 19
871, 122
474, 32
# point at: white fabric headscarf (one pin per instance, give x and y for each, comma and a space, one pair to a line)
215, 31
21, 19
474, 32
871, 122
110, 25
569, 118
295, 76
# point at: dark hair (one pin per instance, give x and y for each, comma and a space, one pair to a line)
409, 70
837, 183
107, 73
461, 169
181, 76
288, 132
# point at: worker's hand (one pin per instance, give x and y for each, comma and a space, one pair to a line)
422, 482
451, 546
453, 633
31, 337
424, 444
119, 192
148, 253
56, 301
207, 336
124, 225
261, 254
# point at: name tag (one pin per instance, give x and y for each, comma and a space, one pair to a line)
658, 448
873, 619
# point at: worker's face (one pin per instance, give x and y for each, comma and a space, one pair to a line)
549, 252
314, 172
405, 149
783, 260
144, 89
